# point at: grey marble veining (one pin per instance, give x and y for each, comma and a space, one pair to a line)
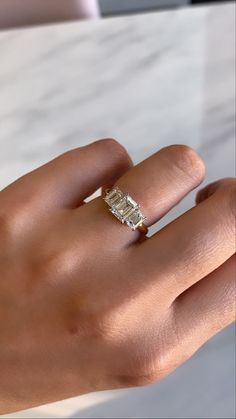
132, 78
147, 80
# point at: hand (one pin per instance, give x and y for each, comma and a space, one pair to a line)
85, 305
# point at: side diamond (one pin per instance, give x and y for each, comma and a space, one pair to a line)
114, 197
135, 220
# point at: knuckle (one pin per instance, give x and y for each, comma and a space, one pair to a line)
188, 162
141, 374
100, 325
116, 150
108, 142
145, 375
136, 380
69, 155
145, 367
8, 227
98, 328
4, 223
11, 228
48, 267
109, 145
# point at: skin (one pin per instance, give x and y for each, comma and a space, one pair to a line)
86, 304
16, 13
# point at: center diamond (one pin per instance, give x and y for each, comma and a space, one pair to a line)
124, 208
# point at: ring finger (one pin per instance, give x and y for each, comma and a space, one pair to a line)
157, 184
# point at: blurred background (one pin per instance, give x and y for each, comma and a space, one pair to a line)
148, 77
14, 13
112, 7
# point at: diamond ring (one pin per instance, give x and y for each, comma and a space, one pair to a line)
125, 209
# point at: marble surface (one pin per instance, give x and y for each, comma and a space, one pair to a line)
147, 80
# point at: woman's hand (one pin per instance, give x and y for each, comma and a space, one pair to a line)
84, 304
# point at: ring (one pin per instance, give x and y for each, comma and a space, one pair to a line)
125, 209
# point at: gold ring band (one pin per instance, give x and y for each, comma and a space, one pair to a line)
143, 229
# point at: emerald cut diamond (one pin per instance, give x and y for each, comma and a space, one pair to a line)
135, 220
124, 208
114, 197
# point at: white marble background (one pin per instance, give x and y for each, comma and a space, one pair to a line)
149, 81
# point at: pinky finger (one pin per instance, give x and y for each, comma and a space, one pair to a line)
207, 307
